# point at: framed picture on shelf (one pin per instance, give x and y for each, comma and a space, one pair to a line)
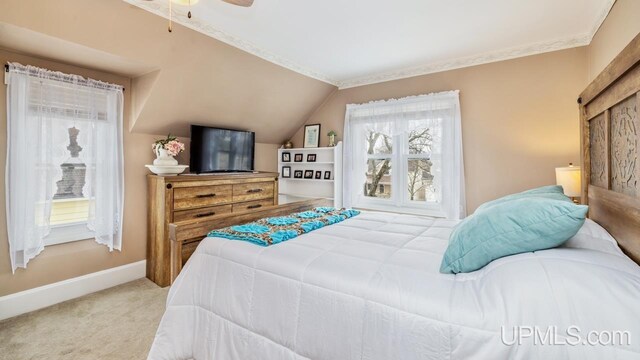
297, 158
327, 175
312, 136
308, 174
286, 157
318, 175
297, 174
286, 171
311, 158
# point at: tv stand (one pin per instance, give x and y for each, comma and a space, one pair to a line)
207, 196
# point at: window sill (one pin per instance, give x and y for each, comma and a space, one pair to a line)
422, 211
62, 234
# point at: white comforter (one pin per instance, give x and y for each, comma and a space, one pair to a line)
369, 288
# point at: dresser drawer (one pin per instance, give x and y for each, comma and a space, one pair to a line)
252, 205
201, 196
200, 213
252, 191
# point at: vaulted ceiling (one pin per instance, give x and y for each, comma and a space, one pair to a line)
268, 67
354, 42
179, 79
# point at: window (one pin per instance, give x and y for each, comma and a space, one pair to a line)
64, 161
405, 156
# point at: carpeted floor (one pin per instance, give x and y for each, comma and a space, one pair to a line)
117, 323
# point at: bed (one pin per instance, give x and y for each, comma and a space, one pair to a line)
369, 287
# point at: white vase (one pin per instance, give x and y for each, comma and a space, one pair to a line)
163, 158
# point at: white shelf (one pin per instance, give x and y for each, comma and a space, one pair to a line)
284, 163
306, 196
296, 189
298, 179
307, 149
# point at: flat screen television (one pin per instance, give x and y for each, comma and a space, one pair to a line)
220, 150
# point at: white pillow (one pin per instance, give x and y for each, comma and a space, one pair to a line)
594, 237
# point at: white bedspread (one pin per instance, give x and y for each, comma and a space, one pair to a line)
369, 288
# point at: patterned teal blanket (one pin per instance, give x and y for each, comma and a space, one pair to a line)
269, 231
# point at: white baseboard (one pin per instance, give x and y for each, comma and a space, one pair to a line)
43, 296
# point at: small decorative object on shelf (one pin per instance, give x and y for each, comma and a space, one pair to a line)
165, 150
318, 175
297, 174
327, 175
286, 157
286, 171
311, 158
297, 158
288, 144
308, 174
332, 138
312, 136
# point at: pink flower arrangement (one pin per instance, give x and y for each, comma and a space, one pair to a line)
174, 147
170, 144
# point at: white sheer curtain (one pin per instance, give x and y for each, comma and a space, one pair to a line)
438, 112
40, 104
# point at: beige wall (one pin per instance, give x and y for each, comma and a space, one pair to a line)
619, 28
194, 78
60, 262
519, 118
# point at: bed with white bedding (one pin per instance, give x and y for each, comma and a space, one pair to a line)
369, 288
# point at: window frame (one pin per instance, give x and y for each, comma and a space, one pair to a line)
443, 172
66, 233
398, 201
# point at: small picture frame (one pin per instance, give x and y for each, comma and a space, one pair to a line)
327, 175
312, 136
286, 157
297, 174
308, 174
297, 158
318, 175
286, 171
311, 158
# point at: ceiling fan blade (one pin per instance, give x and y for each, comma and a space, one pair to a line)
245, 3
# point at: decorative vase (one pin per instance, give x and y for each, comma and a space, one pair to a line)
332, 140
163, 158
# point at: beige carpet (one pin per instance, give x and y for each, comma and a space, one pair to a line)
117, 323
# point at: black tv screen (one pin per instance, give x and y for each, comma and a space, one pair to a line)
220, 150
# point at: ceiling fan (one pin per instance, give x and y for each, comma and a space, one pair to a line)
243, 3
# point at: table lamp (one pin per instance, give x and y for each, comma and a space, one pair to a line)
569, 178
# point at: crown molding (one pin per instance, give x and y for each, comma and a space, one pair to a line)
463, 62
161, 9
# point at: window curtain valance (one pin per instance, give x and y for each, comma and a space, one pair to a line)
41, 104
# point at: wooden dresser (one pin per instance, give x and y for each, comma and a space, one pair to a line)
177, 198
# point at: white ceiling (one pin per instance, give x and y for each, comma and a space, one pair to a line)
357, 42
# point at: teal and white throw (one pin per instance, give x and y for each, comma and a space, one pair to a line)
273, 230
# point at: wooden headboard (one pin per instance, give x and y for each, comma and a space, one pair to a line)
610, 121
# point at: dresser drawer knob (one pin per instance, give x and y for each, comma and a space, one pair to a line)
254, 206
205, 195
206, 214
254, 191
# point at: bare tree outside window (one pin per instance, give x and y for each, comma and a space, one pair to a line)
420, 178
378, 170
